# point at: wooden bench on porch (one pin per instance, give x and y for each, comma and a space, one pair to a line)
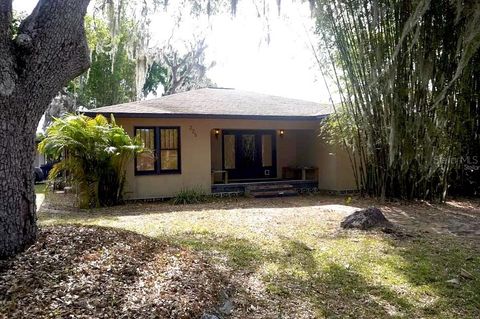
303, 173
223, 173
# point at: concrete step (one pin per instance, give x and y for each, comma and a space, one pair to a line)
262, 188
268, 191
274, 193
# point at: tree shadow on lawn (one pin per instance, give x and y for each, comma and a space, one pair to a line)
410, 280
166, 212
94, 272
55, 205
458, 217
445, 265
304, 280
404, 278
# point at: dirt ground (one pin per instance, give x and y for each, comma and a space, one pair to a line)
253, 258
459, 217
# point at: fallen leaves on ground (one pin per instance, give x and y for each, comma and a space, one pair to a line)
288, 258
92, 272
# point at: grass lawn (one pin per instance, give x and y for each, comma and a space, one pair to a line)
288, 258
40, 188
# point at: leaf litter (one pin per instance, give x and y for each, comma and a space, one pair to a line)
94, 272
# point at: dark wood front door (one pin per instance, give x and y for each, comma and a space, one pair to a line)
249, 154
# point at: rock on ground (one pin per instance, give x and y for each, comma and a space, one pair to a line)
364, 219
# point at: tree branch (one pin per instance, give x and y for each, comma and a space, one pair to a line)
51, 47
5, 19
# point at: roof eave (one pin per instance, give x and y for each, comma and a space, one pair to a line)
207, 116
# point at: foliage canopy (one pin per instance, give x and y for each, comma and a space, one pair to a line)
408, 77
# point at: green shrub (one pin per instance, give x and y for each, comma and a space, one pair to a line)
93, 154
189, 196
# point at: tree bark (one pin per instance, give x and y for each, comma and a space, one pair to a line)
17, 198
49, 51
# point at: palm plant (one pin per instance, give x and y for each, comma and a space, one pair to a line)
94, 153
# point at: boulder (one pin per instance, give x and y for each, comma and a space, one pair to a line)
364, 219
227, 308
227, 304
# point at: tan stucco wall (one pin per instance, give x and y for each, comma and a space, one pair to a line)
201, 150
335, 169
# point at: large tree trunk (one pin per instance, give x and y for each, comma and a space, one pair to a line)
49, 50
17, 198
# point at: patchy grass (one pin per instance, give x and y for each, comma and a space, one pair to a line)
189, 196
40, 188
287, 258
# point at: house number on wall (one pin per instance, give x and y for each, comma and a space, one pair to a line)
194, 132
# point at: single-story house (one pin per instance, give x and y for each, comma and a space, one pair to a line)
226, 140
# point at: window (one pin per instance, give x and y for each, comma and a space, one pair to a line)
162, 154
249, 149
267, 150
229, 151
146, 161
169, 149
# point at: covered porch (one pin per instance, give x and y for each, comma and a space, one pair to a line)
246, 158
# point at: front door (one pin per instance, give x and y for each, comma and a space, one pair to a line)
249, 154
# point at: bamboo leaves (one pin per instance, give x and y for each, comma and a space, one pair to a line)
399, 67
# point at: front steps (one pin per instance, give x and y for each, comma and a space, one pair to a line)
240, 188
269, 191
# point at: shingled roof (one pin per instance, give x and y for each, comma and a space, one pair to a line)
218, 103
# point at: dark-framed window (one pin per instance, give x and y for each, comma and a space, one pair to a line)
162, 155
